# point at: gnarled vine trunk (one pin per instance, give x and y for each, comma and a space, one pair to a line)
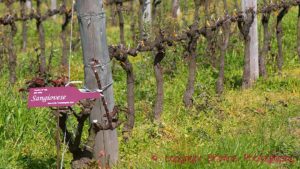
298, 38
41, 32
158, 69
279, 34
191, 56
127, 66
247, 81
12, 56
63, 36
188, 95
130, 96
223, 47
158, 108
266, 43
24, 25
244, 27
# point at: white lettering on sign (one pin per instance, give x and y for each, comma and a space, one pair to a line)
48, 98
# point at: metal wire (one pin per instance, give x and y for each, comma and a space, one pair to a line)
69, 74
71, 38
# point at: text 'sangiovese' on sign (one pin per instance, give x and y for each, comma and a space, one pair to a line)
57, 96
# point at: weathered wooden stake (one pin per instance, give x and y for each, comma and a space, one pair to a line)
253, 46
92, 27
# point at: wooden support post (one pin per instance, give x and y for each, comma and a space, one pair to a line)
92, 27
253, 47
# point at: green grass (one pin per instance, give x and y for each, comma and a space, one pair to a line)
254, 121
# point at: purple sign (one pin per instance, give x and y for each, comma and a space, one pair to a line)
57, 96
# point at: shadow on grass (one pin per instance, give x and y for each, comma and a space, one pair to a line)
30, 162
236, 81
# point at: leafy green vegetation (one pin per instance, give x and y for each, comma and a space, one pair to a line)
254, 122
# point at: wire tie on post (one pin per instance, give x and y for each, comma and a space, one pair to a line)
73, 82
85, 89
101, 66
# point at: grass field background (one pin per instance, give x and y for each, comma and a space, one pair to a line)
256, 122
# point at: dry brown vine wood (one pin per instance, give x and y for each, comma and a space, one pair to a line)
159, 44
223, 47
